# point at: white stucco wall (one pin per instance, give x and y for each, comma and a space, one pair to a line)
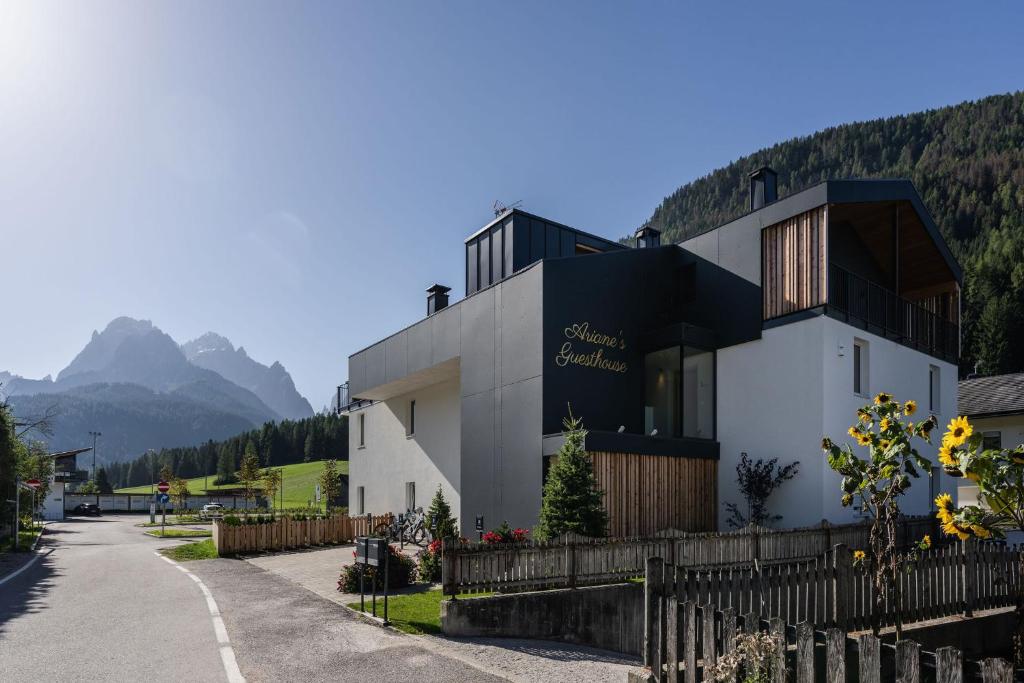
778, 396
52, 508
390, 457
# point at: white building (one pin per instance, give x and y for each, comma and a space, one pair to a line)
760, 336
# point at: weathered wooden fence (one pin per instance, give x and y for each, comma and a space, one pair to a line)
954, 579
683, 639
577, 561
285, 533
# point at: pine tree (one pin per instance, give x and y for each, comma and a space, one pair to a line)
572, 502
439, 515
103, 482
225, 467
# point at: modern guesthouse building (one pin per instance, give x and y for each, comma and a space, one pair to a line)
759, 336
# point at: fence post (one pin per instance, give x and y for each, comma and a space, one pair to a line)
908, 662
996, 671
707, 618
448, 567
690, 641
654, 579
671, 630
570, 563
778, 629
804, 652
949, 666
842, 587
835, 655
868, 654
968, 577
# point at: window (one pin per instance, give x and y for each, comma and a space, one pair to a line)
410, 422
934, 399
362, 429
360, 500
679, 392
860, 367
410, 495
992, 440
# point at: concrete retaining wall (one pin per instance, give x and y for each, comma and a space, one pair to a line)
608, 617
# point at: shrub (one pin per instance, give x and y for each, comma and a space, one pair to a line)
232, 520
429, 568
401, 573
505, 534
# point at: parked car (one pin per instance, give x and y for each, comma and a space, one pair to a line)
212, 511
87, 509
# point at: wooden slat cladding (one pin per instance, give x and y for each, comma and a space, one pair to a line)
793, 263
647, 493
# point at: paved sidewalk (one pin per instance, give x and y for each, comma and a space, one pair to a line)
514, 659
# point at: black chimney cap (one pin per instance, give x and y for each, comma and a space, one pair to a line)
438, 289
763, 187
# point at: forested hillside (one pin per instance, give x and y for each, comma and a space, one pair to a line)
967, 162
320, 437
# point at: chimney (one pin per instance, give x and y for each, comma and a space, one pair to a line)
437, 298
647, 237
764, 187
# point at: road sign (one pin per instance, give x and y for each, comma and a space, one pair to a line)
34, 483
163, 486
163, 498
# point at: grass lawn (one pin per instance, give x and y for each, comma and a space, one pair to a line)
186, 552
299, 482
179, 533
415, 613
26, 537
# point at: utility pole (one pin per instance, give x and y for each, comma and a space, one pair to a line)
94, 435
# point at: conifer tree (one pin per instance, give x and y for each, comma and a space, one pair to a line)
103, 481
443, 525
572, 502
225, 467
249, 472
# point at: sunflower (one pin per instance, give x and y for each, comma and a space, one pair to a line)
863, 439
946, 455
973, 476
864, 416
944, 507
853, 432
958, 431
858, 555
926, 542
884, 444
826, 444
882, 398
950, 528
980, 531
909, 408
884, 424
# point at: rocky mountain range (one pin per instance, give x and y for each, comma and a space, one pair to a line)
136, 385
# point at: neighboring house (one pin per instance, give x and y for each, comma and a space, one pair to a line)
995, 407
65, 471
759, 336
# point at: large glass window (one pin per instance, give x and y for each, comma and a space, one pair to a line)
679, 393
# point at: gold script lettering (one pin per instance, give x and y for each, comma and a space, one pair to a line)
581, 331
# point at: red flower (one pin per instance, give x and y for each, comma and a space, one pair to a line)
434, 547
492, 538
520, 534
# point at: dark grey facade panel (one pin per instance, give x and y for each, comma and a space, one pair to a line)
538, 237
479, 472
613, 442
472, 268
568, 243
497, 254
508, 247
521, 447
552, 241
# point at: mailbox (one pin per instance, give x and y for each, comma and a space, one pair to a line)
371, 551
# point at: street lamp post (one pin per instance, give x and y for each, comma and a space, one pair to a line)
94, 435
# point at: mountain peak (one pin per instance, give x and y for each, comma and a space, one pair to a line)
211, 341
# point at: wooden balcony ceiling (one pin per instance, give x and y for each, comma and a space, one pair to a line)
923, 270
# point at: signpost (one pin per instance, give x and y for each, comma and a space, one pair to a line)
163, 487
372, 552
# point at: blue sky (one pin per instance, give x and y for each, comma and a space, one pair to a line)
294, 175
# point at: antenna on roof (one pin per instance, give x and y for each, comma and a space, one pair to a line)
500, 208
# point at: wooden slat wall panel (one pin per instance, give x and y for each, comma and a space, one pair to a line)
793, 263
647, 493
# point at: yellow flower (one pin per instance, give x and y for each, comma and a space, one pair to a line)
909, 408
980, 531
863, 439
946, 455
944, 507
973, 476
884, 424
884, 444
951, 529
864, 416
958, 431
853, 431
858, 555
882, 398
926, 542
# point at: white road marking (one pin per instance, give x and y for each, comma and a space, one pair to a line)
227, 653
20, 569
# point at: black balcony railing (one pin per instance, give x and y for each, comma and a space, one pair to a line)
855, 299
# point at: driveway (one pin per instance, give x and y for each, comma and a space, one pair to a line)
100, 605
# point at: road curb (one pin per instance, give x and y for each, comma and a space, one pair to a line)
35, 557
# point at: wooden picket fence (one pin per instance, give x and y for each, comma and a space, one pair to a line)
574, 560
683, 639
954, 579
285, 533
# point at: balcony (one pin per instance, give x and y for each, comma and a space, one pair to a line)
856, 300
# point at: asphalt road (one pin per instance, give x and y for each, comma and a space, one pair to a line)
100, 606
